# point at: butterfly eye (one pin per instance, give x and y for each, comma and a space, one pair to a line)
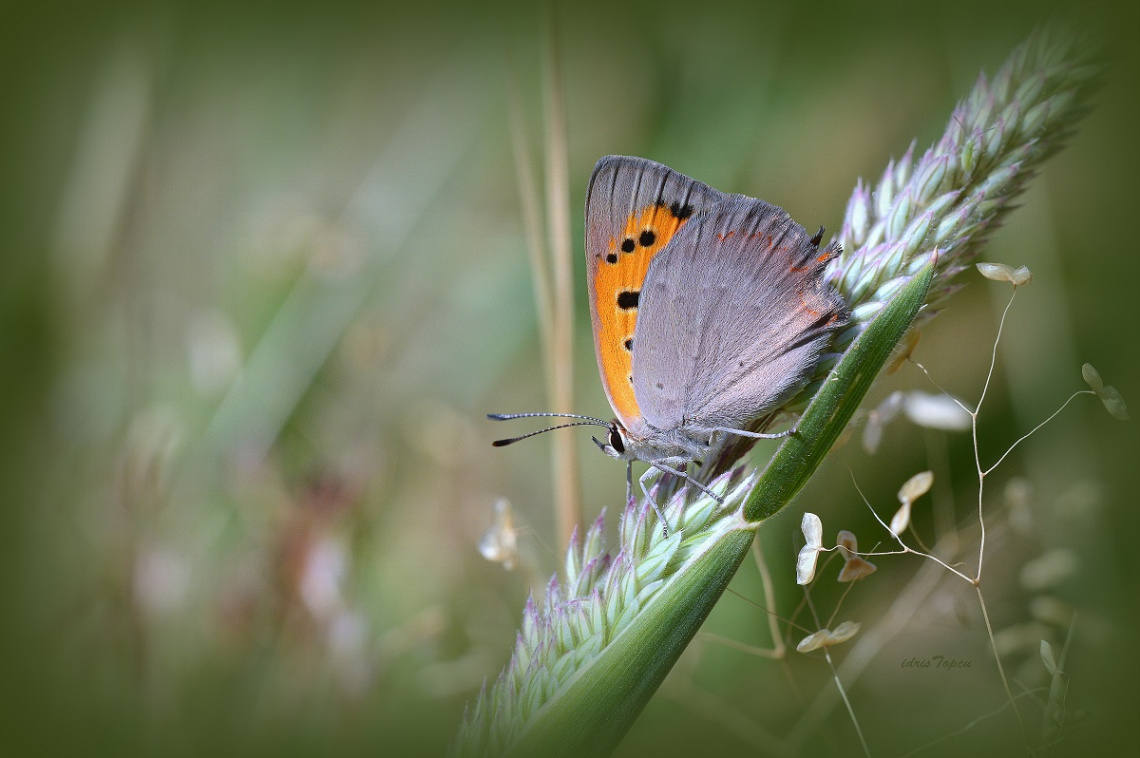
616, 442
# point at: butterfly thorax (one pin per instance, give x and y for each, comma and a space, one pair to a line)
669, 446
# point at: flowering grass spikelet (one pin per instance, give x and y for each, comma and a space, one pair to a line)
1000, 272
806, 559
901, 520
917, 486
878, 418
953, 196
596, 598
499, 544
828, 637
854, 566
936, 411
914, 488
1111, 398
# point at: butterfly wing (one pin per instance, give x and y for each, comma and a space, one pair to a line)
634, 208
734, 316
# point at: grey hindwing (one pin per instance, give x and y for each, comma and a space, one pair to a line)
733, 318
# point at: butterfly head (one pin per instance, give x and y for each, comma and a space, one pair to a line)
617, 444
645, 443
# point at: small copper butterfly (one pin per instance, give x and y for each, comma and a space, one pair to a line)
709, 310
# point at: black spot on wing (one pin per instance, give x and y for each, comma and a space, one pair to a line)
817, 238
681, 210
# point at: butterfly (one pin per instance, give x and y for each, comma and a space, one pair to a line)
709, 311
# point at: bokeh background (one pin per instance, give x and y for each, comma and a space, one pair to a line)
264, 271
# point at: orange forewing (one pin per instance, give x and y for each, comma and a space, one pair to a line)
618, 277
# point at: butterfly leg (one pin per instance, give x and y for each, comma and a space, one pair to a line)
756, 435
656, 508
629, 482
689, 479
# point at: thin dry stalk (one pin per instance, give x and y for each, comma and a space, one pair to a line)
567, 496
531, 199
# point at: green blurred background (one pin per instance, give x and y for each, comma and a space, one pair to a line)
264, 272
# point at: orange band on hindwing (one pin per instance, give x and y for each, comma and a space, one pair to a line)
620, 275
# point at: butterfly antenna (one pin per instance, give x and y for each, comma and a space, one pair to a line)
512, 440
511, 416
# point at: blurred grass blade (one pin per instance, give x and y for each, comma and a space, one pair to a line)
102, 180
400, 188
591, 714
530, 199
